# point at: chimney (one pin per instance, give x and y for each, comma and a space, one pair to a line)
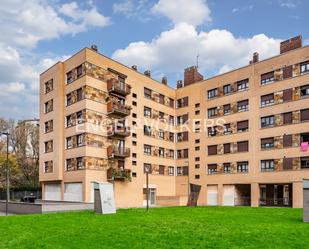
164, 80
191, 75
291, 44
255, 58
148, 73
134, 67
94, 48
179, 84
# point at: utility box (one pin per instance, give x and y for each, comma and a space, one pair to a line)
104, 201
306, 199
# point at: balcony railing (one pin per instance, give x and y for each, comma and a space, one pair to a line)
117, 152
117, 109
118, 174
114, 131
115, 86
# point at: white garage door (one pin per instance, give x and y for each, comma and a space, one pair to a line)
73, 192
52, 192
228, 195
212, 195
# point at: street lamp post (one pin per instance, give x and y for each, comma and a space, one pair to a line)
147, 170
7, 172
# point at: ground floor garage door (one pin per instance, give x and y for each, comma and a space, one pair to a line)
73, 192
228, 195
212, 195
52, 192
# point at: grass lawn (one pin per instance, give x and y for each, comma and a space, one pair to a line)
176, 227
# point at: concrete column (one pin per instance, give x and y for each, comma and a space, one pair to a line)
220, 194
297, 194
255, 195
202, 197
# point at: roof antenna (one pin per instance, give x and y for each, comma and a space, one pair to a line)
197, 57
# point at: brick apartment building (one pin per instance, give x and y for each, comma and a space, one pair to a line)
241, 135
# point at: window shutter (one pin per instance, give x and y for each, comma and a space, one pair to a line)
185, 135
212, 150
185, 101
243, 125
185, 153
171, 103
161, 99
212, 166
161, 169
267, 140
242, 146
287, 94
287, 118
227, 108
304, 115
185, 118
227, 148
267, 97
147, 91
287, 140
287, 72
185, 170
287, 163
267, 75
243, 102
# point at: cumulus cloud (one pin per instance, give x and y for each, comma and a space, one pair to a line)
194, 12
290, 4
175, 49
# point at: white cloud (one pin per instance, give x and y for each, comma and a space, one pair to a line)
26, 22
290, 4
138, 9
177, 48
194, 12
14, 87
242, 9
126, 7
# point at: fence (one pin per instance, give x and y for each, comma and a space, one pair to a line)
16, 195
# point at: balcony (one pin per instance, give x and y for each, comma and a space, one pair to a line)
117, 87
115, 131
117, 152
117, 109
118, 174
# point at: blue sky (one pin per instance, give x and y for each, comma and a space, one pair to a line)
162, 35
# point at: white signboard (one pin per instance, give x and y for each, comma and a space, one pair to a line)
107, 197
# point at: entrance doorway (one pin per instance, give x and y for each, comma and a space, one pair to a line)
276, 195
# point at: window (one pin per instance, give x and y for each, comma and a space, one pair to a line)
147, 130
304, 162
161, 115
212, 93
179, 171
267, 165
227, 167
183, 102
48, 167
69, 165
133, 123
227, 109
170, 170
212, 131
185, 153
79, 70
304, 91
161, 152
242, 146
79, 117
212, 112
267, 78
287, 72
197, 122
197, 105
287, 95
48, 106
243, 105
147, 93
267, 100
134, 103
304, 67
161, 98
80, 94
212, 168
147, 149
267, 121
267, 143
242, 126
171, 153
242, 85
48, 86
134, 143
197, 141
80, 140
171, 102
134, 155
197, 130
134, 163
287, 118
134, 95
197, 112
212, 150
48, 146
182, 136
134, 174
69, 77
287, 163
48, 126
242, 167
134, 115
161, 169
304, 115
69, 144
147, 112
171, 136
227, 89
69, 99
197, 177
197, 166
182, 119
171, 120
197, 159
79, 163
69, 120
226, 148
185, 171
287, 141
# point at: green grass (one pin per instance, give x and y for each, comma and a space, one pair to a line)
177, 227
